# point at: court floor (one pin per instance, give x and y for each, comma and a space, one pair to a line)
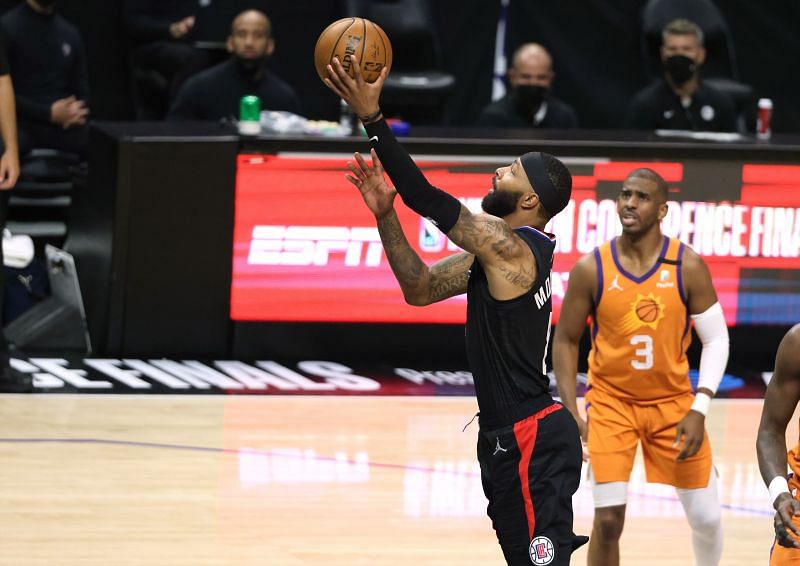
253, 480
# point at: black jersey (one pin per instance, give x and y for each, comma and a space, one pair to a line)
507, 340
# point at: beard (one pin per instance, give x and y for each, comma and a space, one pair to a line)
500, 203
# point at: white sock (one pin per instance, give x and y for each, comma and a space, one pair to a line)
703, 510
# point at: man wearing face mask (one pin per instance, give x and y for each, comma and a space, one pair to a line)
47, 62
681, 100
529, 103
216, 92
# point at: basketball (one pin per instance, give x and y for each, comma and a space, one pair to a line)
354, 36
647, 310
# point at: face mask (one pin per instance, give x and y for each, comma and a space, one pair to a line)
46, 3
680, 68
529, 97
500, 203
250, 67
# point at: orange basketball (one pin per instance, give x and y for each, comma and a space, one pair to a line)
354, 36
647, 310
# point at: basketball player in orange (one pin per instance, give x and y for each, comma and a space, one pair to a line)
783, 394
642, 290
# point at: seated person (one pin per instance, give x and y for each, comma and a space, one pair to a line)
681, 100
160, 31
50, 84
529, 104
216, 92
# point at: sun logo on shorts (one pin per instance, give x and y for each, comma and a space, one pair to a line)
645, 311
541, 551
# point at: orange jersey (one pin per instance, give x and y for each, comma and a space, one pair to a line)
640, 328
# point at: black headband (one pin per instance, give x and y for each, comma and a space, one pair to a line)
551, 200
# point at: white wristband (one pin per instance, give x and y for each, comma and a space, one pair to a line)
777, 486
702, 401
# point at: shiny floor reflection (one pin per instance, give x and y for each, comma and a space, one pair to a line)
304, 480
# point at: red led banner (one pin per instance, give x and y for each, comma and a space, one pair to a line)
306, 248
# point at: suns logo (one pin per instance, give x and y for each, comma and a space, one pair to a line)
645, 311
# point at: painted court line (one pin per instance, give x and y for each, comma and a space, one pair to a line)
233, 451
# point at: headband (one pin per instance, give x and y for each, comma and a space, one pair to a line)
552, 201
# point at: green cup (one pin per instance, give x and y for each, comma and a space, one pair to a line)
250, 109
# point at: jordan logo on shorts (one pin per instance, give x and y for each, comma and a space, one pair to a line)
615, 284
498, 448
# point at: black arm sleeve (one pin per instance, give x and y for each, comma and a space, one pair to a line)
415, 190
3, 55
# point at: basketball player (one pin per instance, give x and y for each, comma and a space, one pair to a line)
783, 394
528, 447
641, 289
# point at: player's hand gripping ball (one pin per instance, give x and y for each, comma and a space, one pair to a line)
354, 36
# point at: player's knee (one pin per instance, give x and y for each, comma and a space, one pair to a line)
706, 519
608, 522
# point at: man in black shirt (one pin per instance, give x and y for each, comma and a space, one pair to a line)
10, 381
529, 104
528, 447
161, 32
46, 58
681, 100
216, 92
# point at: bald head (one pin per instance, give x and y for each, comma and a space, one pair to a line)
531, 65
251, 36
531, 52
252, 18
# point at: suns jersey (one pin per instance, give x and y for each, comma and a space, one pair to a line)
640, 328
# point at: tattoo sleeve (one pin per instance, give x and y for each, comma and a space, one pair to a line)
484, 235
420, 284
408, 268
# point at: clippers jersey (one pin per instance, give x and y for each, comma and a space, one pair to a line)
640, 328
507, 340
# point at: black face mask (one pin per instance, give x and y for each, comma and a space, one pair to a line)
500, 203
529, 98
251, 67
46, 3
680, 69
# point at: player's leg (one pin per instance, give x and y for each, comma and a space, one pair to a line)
610, 499
612, 441
530, 472
694, 477
705, 518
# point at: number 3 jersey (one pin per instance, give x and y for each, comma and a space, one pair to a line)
640, 328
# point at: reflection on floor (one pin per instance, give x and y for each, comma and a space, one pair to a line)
304, 480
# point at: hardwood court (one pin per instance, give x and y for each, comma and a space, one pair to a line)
212, 480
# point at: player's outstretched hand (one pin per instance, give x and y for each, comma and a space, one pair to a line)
370, 181
787, 507
361, 96
692, 429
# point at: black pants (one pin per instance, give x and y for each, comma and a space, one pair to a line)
74, 139
530, 471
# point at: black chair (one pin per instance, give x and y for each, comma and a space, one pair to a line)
719, 69
39, 203
417, 87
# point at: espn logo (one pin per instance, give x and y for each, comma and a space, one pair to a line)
313, 245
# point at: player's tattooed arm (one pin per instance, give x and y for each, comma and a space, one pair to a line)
449, 277
420, 284
509, 262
